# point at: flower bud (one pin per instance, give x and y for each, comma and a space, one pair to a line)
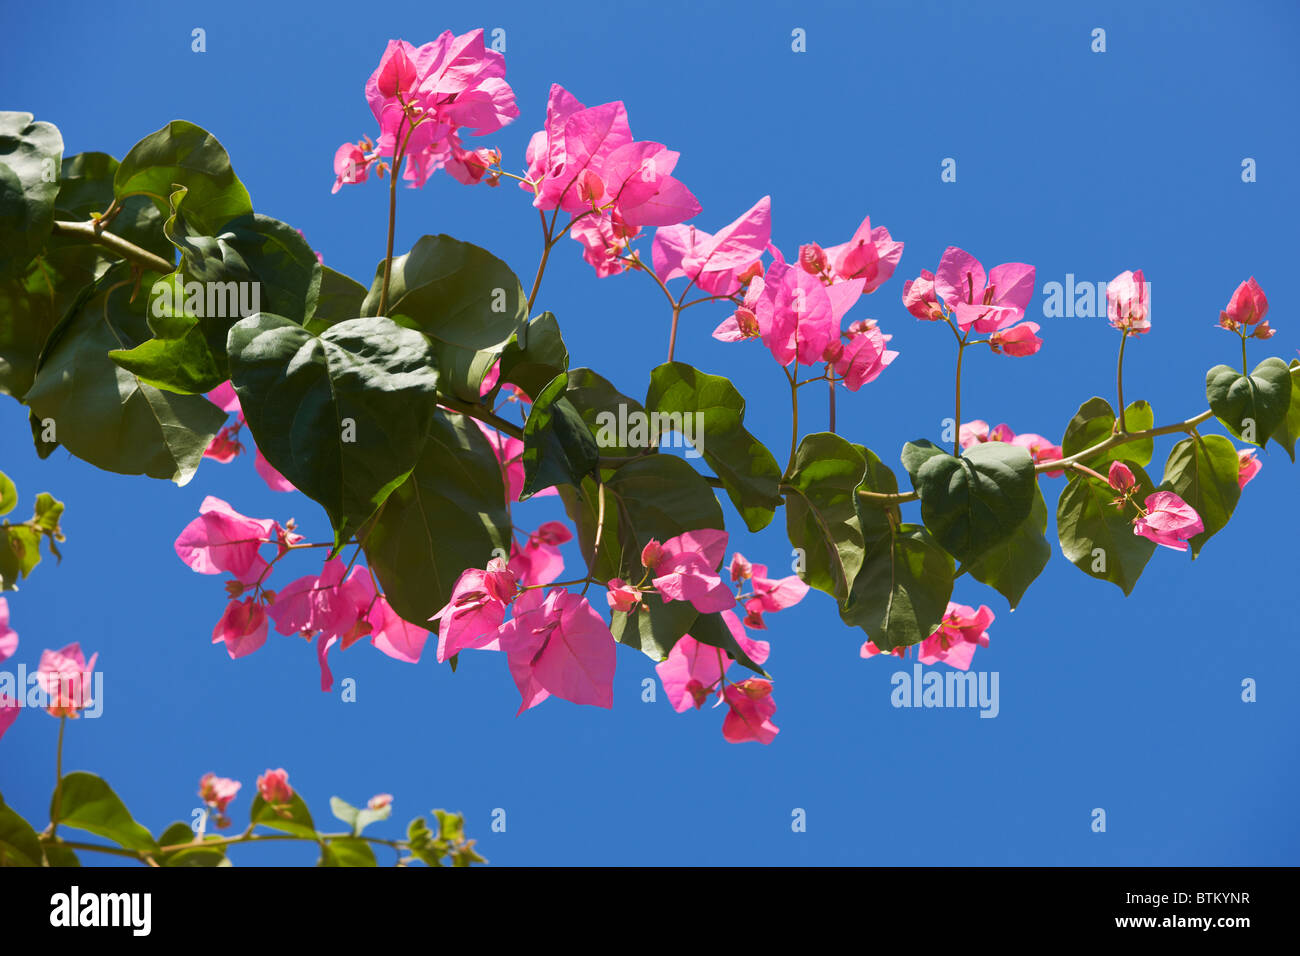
812, 258
379, 801
499, 581
754, 271
860, 260
1248, 304
652, 554
699, 693
748, 322
1121, 477
1262, 331
273, 787
622, 597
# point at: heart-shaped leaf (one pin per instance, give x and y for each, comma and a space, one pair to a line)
1253, 406
1094, 422
976, 501
182, 154
84, 801
1203, 472
343, 415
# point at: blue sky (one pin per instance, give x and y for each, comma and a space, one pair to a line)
1077, 162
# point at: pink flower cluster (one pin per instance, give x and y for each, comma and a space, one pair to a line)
694, 672
991, 303
334, 606
585, 162
422, 98
557, 645
795, 309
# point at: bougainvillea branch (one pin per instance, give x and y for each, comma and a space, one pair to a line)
424, 411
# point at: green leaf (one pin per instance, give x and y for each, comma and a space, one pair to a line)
1097, 537
712, 630
1251, 407
534, 356
25, 543
902, 590
821, 511
1203, 472
358, 818
346, 851
31, 306
10, 569
255, 264
103, 413
595, 398
1013, 565
273, 257
292, 817
8, 494
1287, 432
917, 453
19, 844
558, 447
976, 501
449, 515
195, 855
342, 415
1094, 422
454, 292
182, 154
657, 496
464, 298
339, 299
900, 593
451, 826
748, 471
184, 364
29, 182
653, 627
47, 514
85, 802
